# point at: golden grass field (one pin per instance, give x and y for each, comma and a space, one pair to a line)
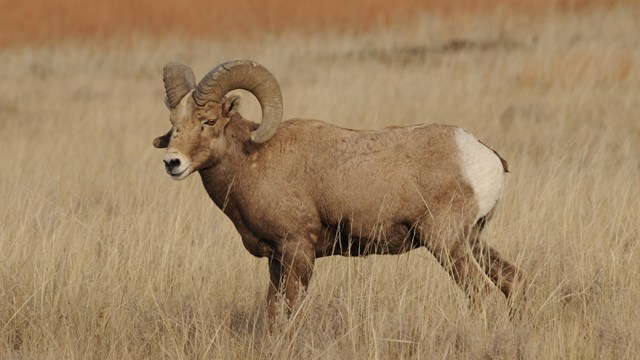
103, 256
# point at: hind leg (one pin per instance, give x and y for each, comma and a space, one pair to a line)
505, 275
453, 252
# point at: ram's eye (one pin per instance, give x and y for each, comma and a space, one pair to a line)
211, 122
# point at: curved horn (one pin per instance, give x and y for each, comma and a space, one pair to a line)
178, 81
250, 76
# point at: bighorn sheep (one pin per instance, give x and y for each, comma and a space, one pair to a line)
303, 189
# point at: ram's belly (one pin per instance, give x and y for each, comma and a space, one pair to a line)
348, 239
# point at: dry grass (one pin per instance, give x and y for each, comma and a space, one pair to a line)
103, 256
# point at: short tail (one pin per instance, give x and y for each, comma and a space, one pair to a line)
505, 165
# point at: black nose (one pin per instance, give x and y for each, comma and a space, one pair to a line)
171, 164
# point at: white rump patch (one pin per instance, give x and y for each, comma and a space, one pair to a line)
483, 170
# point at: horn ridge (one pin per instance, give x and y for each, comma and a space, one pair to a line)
246, 75
178, 80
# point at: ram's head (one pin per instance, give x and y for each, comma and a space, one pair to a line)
200, 114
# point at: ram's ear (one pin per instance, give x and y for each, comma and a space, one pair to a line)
231, 104
162, 142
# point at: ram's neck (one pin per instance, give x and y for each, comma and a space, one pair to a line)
220, 179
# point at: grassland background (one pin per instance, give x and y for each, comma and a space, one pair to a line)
104, 256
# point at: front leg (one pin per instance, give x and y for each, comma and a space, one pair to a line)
290, 273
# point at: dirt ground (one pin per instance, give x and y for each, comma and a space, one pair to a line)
45, 20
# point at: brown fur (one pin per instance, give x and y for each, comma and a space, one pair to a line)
315, 190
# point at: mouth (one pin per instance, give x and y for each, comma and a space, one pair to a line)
180, 175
